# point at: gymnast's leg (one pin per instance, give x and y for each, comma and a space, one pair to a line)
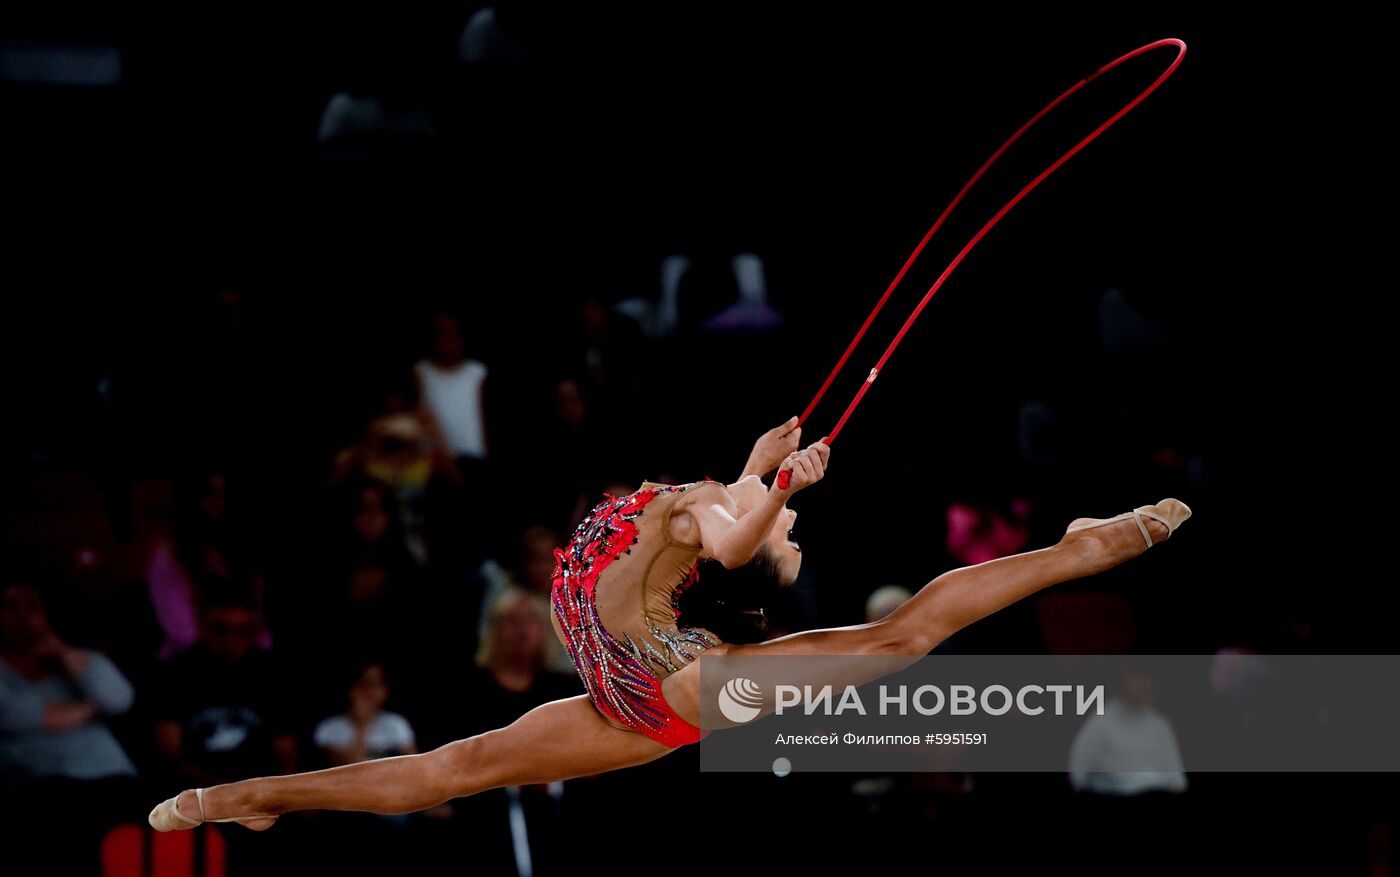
941, 608
555, 741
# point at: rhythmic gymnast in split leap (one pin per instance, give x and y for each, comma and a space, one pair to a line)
616, 607
615, 595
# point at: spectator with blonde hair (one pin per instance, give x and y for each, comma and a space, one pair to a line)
517, 645
511, 676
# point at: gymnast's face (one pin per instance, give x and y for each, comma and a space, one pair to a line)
784, 550
779, 549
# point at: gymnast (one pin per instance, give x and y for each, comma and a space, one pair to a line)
616, 600
615, 597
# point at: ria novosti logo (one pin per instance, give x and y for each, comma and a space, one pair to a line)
740, 700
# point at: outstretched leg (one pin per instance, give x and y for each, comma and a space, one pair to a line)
941, 608
555, 741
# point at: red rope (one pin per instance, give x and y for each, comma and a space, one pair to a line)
785, 475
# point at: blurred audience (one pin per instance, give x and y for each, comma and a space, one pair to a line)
365, 730
451, 390
374, 532
508, 35
360, 127
608, 351
373, 584
534, 575
706, 292
54, 698
571, 426
513, 672
220, 707
57, 755
515, 827
1131, 748
453, 393
202, 545
977, 534
400, 450
882, 601
531, 567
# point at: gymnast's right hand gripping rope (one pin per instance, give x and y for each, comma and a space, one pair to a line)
785, 476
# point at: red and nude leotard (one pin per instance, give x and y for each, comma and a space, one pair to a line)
615, 590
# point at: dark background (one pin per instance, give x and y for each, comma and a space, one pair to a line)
826, 143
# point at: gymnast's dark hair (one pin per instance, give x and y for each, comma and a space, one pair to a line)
730, 603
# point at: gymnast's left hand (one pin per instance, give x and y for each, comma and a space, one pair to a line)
773, 447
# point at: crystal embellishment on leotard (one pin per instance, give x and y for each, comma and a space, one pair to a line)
621, 676
679, 640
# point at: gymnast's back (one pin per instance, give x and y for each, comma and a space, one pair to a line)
619, 579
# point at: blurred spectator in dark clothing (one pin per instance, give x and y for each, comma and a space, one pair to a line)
203, 546
536, 569
55, 748
220, 711
578, 436
376, 589
530, 567
372, 608
606, 351
53, 698
512, 674
369, 530
358, 592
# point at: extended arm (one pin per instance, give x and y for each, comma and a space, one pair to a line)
732, 540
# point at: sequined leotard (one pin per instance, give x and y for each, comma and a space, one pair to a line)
614, 597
